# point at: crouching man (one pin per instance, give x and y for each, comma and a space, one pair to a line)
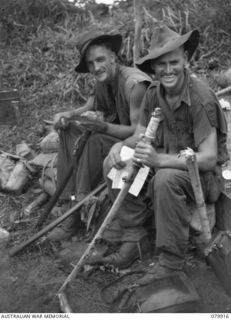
192, 117
117, 94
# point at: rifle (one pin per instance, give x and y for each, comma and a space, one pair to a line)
148, 137
78, 148
77, 151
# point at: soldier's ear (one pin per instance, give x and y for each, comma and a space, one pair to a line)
113, 56
186, 57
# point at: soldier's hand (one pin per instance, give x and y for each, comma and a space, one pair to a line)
145, 154
114, 159
60, 115
62, 123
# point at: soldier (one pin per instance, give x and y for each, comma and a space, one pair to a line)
192, 117
118, 94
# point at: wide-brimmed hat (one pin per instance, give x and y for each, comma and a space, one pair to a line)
92, 37
165, 40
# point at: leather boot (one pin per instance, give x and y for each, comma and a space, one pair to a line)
74, 251
156, 272
128, 253
67, 229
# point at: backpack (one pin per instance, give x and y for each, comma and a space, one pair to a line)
173, 293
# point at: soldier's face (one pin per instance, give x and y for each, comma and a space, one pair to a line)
169, 68
100, 62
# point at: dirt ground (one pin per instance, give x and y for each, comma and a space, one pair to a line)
29, 283
30, 280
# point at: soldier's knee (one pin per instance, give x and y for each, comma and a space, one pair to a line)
164, 179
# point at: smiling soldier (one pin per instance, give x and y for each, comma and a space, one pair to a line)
117, 94
192, 117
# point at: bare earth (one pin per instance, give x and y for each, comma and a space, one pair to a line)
31, 279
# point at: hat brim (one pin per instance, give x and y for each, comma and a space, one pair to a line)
115, 40
190, 41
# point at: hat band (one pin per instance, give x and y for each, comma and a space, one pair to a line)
167, 41
84, 46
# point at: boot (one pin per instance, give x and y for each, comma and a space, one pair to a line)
156, 272
128, 253
74, 251
67, 229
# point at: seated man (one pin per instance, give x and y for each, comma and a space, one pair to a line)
191, 117
118, 94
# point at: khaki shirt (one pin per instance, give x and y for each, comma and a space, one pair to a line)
114, 100
189, 122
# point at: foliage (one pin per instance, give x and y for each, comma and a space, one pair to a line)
38, 47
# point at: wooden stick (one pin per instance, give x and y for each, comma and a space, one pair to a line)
149, 134
224, 91
113, 211
193, 171
63, 302
53, 224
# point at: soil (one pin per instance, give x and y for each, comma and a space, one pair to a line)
31, 279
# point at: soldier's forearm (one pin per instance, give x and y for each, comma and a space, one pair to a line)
80, 110
119, 131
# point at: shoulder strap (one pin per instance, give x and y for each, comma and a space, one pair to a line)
120, 294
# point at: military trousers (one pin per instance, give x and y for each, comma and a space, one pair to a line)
89, 170
170, 191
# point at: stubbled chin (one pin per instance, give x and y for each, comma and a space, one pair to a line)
101, 77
